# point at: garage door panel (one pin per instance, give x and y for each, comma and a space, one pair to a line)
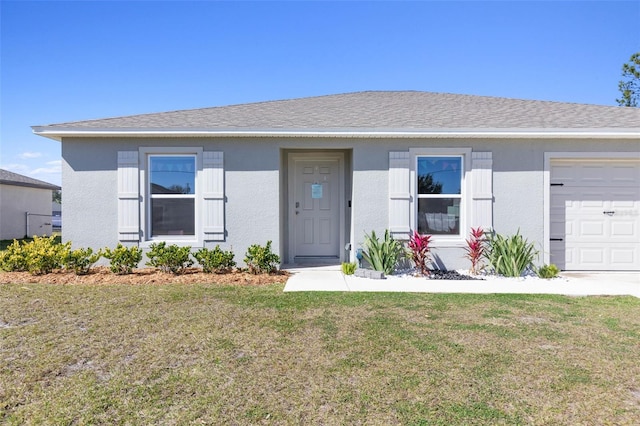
624, 229
598, 209
596, 173
600, 258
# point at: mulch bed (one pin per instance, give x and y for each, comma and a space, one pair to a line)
102, 275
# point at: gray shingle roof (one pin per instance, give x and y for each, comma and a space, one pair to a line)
10, 178
380, 111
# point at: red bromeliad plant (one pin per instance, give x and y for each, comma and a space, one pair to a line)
419, 251
475, 250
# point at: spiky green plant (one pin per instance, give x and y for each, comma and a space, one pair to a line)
382, 255
510, 256
349, 268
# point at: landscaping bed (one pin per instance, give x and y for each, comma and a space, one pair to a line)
102, 275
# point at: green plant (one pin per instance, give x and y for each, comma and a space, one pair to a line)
13, 259
548, 271
382, 256
170, 258
215, 260
81, 260
349, 268
475, 250
419, 251
261, 259
510, 256
39, 256
123, 259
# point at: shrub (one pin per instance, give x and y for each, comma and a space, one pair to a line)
261, 259
510, 256
123, 259
13, 259
548, 271
171, 258
40, 256
475, 249
382, 256
419, 251
349, 268
216, 260
81, 260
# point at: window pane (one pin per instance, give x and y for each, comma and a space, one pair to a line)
173, 175
439, 175
439, 216
172, 216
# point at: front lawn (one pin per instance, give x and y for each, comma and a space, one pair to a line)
211, 354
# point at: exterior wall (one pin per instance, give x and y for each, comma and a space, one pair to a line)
255, 185
15, 201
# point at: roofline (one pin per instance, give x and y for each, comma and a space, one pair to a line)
45, 185
59, 133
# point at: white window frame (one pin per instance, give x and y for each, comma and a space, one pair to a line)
146, 153
440, 240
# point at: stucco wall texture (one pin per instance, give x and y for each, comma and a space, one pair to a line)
15, 202
255, 171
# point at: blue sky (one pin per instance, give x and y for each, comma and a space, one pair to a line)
69, 61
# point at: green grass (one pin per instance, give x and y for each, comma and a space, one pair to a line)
208, 354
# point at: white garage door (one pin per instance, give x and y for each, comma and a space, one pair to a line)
595, 214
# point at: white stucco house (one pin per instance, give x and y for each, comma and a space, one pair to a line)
25, 206
315, 174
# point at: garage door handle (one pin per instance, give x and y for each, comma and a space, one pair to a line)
609, 213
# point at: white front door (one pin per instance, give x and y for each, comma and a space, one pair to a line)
595, 214
315, 195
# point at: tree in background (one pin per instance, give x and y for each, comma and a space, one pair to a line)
57, 197
629, 86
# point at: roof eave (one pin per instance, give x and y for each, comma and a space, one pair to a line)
57, 133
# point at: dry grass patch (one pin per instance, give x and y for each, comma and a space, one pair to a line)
212, 354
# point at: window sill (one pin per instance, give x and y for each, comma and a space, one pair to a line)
454, 242
180, 242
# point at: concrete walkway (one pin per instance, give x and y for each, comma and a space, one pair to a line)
330, 278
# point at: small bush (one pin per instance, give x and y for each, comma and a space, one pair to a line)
419, 251
261, 259
81, 260
123, 259
548, 271
13, 259
382, 256
349, 268
510, 256
40, 256
216, 260
171, 258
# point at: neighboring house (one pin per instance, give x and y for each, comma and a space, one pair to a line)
25, 206
56, 216
315, 174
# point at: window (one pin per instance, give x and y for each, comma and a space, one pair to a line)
172, 189
440, 191
439, 194
171, 193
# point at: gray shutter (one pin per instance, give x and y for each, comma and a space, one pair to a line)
213, 196
128, 196
399, 194
482, 190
